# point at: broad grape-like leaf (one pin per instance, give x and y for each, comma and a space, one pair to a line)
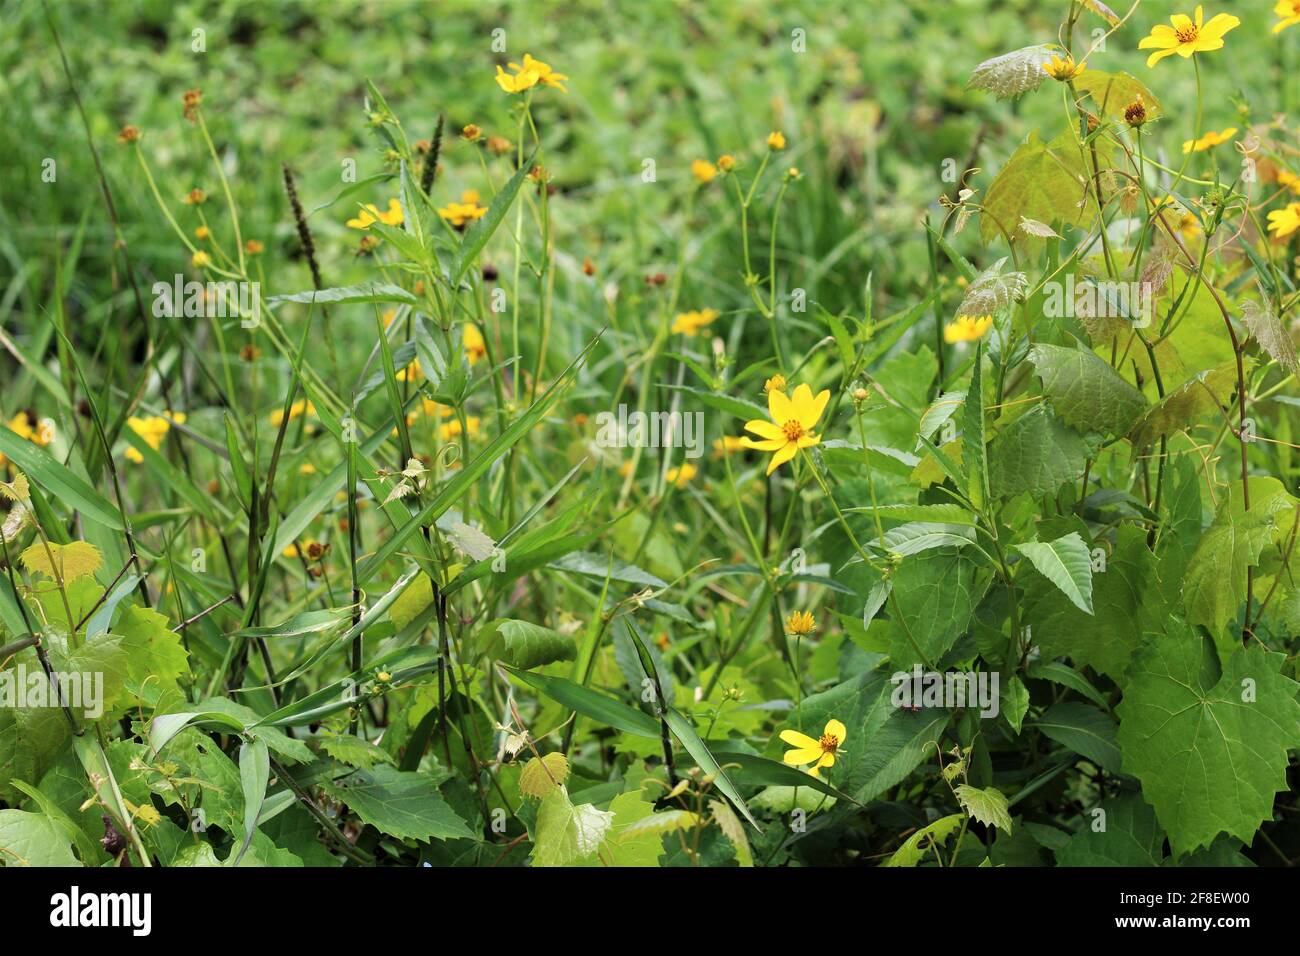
1269, 333
355, 752
1200, 395
31, 839
1036, 454
543, 774
402, 804
1085, 392
1126, 834
156, 657
1067, 563
1046, 182
1209, 746
993, 290
63, 562
1014, 73
1214, 587
915, 848
988, 806
565, 832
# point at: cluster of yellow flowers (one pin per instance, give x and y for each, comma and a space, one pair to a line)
690, 323
460, 214
371, 214
153, 430
25, 426
528, 75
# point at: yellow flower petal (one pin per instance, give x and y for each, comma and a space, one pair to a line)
796, 739
836, 729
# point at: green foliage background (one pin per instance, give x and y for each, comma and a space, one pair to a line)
1039, 507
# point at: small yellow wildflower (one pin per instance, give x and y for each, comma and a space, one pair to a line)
296, 410
800, 623
1209, 140
254, 247
774, 384
703, 170
1063, 68
1289, 13
460, 214
679, 477
475, 345
1283, 222
967, 328
690, 323
200, 259
153, 430
195, 197
452, 428
528, 75
820, 752
776, 140
1187, 36
203, 232
726, 162
371, 214
791, 427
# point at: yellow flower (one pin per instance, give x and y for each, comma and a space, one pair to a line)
1287, 178
1283, 222
1186, 36
452, 428
820, 752
465, 211
1210, 140
372, 213
1063, 69
776, 140
1188, 226
800, 623
690, 323
254, 247
703, 170
153, 430
203, 232
529, 75
966, 328
410, 373
432, 408
678, 477
25, 426
726, 162
306, 468
727, 444
201, 259
475, 346
1289, 12
296, 410
791, 427
774, 384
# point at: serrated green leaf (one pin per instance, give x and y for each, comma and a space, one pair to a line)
1067, 563
1210, 749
